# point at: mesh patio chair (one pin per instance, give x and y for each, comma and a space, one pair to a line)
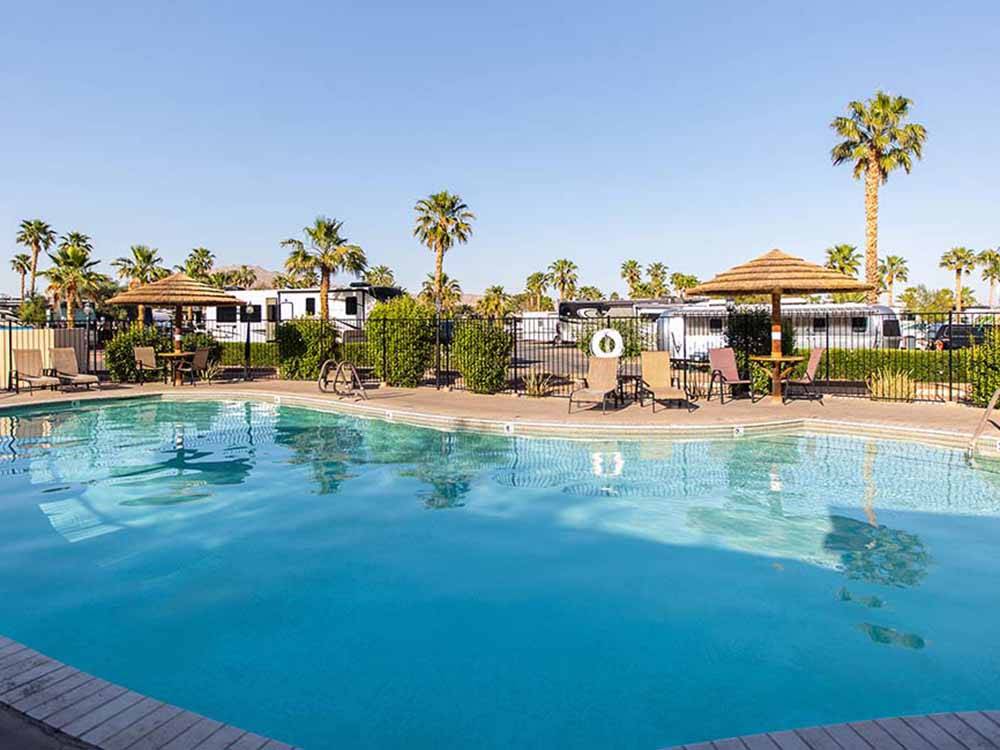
145, 361
807, 381
726, 374
197, 365
66, 368
28, 369
658, 382
601, 382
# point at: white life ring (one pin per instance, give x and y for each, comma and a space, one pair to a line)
617, 345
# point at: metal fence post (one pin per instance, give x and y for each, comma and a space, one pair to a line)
827, 353
246, 354
951, 339
385, 344
10, 355
437, 350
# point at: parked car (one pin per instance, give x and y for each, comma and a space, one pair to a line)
959, 335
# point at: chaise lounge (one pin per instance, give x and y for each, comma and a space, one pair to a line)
65, 367
601, 382
658, 382
28, 369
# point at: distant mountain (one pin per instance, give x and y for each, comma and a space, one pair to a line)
265, 278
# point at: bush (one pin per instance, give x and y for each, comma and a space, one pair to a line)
887, 384
927, 366
748, 332
481, 350
984, 369
200, 340
304, 344
120, 358
636, 335
33, 311
401, 339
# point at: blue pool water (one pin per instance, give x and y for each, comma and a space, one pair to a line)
336, 582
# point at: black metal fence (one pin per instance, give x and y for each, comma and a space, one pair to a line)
925, 356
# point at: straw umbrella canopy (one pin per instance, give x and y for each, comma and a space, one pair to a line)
776, 273
178, 291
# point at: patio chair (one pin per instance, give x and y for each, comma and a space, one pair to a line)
145, 361
726, 374
807, 381
601, 382
197, 365
658, 381
65, 367
28, 369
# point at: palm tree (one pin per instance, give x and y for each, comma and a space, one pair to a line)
657, 279
891, 270
38, 236
380, 276
198, 264
451, 291
142, 267
442, 220
681, 282
295, 280
536, 285
589, 293
21, 265
76, 239
960, 260
843, 258
495, 303
563, 275
220, 279
876, 142
72, 276
990, 261
243, 277
632, 275
327, 253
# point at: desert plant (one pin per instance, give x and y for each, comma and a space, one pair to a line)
537, 384
887, 383
120, 358
481, 351
400, 335
304, 345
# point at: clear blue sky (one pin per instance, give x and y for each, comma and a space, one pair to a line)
695, 134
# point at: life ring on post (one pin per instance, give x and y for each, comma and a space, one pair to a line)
617, 344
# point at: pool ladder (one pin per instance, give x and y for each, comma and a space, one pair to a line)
983, 421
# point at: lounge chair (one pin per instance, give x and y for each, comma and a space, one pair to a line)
658, 382
808, 380
65, 367
195, 366
28, 369
145, 361
725, 372
601, 382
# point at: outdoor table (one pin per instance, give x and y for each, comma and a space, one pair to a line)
174, 359
778, 369
623, 383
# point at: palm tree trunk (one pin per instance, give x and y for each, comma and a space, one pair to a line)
872, 179
69, 310
958, 291
35, 250
324, 294
889, 285
22, 290
438, 272
993, 286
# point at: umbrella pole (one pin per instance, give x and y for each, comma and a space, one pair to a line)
776, 345
177, 329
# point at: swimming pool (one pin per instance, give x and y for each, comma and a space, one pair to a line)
338, 582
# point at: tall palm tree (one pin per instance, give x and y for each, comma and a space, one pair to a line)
657, 279
380, 276
843, 258
632, 276
891, 270
38, 236
198, 264
536, 285
564, 277
681, 282
443, 220
495, 303
327, 253
21, 265
959, 260
243, 277
72, 276
219, 279
589, 293
876, 142
76, 239
295, 280
990, 262
141, 267
451, 291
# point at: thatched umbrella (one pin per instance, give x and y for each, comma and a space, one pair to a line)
178, 291
778, 273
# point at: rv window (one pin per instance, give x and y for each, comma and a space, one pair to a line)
859, 325
351, 306
251, 314
310, 305
225, 314
890, 328
272, 313
819, 324
715, 324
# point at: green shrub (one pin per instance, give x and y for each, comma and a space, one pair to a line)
927, 366
201, 340
401, 338
637, 335
304, 344
33, 311
748, 332
118, 354
984, 369
481, 351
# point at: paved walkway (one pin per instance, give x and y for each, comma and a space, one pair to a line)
971, 730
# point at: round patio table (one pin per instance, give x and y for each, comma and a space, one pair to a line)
781, 365
174, 359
